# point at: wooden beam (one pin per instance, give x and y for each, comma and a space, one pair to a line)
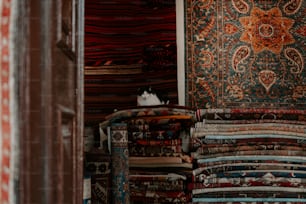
113, 69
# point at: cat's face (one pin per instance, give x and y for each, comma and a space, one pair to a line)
146, 95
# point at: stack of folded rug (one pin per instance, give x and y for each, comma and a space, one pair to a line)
159, 164
256, 156
156, 161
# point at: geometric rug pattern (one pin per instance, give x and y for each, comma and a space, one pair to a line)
245, 54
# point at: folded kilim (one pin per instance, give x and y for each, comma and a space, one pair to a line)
247, 166
261, 128
248, 161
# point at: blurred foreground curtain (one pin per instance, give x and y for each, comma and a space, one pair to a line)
8, 87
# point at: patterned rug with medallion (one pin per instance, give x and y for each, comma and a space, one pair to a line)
245, 76
245, 54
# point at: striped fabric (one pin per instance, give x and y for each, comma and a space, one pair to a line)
248, 160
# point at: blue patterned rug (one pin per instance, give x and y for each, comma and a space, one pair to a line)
245, 54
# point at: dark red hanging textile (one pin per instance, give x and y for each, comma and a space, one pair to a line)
121, 31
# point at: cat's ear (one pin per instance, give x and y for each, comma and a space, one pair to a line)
139, 91
150, 89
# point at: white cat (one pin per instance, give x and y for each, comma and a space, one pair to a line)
147, 97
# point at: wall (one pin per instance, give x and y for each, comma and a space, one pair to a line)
180, 43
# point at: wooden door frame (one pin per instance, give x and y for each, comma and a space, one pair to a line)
80, 35
27, 9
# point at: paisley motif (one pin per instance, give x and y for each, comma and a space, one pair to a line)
204, 32
267, 78
240, 54
292, 6
296, 60
207, 58
204, 4
241, 6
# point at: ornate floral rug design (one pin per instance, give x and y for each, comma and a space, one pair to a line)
245, 54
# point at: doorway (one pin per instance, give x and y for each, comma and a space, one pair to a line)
52, 82
128, 45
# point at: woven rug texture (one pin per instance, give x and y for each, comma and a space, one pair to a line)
245, 54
